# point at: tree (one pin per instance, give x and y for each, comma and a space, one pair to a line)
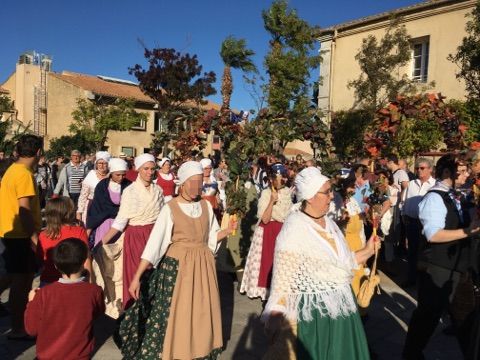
468, 55
380, 61
95, 120
347, 128
234, 54
65, 144
175, 81
288, 65
413, 124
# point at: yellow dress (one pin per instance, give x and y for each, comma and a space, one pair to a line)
354, 241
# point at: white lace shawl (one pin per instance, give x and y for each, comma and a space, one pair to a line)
308, 273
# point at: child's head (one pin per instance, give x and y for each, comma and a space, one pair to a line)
69, 256
58, 212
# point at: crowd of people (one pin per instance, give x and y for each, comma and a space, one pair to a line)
137, 238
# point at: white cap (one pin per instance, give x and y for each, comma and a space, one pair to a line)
189, 169
142, 159
308, 182
102, 155
163, 161
117, 164
206, 162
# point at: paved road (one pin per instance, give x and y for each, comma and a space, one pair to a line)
386, 328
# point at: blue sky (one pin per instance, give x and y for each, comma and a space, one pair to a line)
100, 37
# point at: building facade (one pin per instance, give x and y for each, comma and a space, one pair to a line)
44, 101
436, 28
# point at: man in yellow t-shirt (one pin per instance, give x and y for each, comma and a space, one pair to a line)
20, 223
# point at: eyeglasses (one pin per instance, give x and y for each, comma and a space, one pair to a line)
326, 192
421, 168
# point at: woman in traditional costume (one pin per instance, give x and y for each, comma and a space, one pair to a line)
311, 297
178, 313
90, 182
140, 205
165, 179
273, 207
107, 259
210, 190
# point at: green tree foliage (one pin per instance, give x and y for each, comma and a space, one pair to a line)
380, 61
65, 144
468, 55
288, 65
236, 55
93, 121
347, 129
414, 124
176, 82
469, 115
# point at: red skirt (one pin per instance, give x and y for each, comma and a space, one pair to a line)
134, 242
270, 233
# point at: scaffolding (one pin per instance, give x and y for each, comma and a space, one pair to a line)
40, 91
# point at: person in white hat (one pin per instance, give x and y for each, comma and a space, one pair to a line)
180, 249
140, 205
273, 207
99, 172
100, 217
165, 178
210, 191
311, 278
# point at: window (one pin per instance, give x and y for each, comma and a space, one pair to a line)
420, 50
159, 123
128, 150
140, 125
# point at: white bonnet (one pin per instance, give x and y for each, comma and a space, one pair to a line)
117, 164
102, 155
142, 159
163, 161
188, 169
206, 162
308, 182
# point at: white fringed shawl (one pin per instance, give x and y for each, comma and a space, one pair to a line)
308, 273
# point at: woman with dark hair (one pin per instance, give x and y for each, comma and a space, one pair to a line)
273, 207
259, 174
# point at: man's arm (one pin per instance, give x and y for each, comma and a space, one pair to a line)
26, 218
62, 178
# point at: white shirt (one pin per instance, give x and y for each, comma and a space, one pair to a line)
414, 194
161, 235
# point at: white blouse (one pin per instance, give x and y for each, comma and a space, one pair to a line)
161, 235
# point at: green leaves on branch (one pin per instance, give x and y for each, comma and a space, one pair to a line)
468, 56
288, 65
380, 61
93, 121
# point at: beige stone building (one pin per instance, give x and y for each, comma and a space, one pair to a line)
437, 29
45, 100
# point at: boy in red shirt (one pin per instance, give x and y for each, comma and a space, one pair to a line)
61, 314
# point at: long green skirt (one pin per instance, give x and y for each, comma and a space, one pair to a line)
324, 338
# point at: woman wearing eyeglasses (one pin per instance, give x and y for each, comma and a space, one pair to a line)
311, 312
273, 207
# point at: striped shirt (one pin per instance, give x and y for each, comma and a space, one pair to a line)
76, 176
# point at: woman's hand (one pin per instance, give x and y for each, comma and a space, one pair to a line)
134, 288
274, 197
373, 244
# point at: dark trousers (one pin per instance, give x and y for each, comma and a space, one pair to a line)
413, 229
435, 289
74, 197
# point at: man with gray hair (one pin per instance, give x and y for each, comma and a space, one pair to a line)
414, 193
71, 177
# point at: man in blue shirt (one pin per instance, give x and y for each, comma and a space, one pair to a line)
445, 257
